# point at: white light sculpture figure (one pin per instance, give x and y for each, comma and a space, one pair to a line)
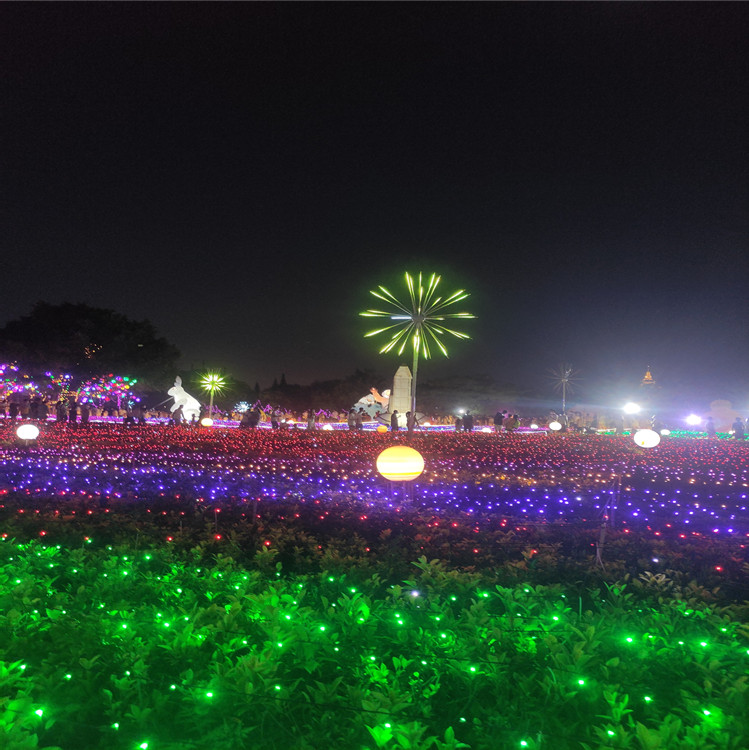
190, 405
646, 438
555, 426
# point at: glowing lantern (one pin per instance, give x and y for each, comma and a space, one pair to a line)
486, 429
400, 463
382, 428
665, 431
647, 438
28, 432
556, 426
327, 427
206, 421
534, 426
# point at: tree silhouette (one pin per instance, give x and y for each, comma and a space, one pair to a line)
87, 341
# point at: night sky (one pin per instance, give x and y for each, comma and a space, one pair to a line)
242, 174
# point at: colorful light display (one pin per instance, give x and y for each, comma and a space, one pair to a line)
115, 388
686, 484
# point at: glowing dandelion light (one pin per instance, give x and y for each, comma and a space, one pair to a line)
212, 383
564, 378
419, 322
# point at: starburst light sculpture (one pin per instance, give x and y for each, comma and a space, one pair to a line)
564, 379
213, 383
420, 322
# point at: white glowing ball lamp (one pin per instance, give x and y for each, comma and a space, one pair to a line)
693, 420
28, 432
400, 463
665, 431
555, 426
534, 426
206, 421
486, 429
631, 408
327, 427
647, 438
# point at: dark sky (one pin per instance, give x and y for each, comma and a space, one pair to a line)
242, 174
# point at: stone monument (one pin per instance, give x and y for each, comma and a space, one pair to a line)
400, 396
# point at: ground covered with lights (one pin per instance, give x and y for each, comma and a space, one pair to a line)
165, 588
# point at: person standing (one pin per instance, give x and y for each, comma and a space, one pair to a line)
710, 427
85, 414
72, 412
738, 428
410, 422
394, 421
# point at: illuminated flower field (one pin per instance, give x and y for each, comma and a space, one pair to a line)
177, 588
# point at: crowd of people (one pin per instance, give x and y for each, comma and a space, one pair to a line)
71, 410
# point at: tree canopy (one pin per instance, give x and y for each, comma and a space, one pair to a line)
87, 341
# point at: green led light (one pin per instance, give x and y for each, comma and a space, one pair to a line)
172, 687
610, 733
703, 643
68, 676
706, 712
581, 682
630, 639
647, 699
116, 725
209, 695
523, 743
39, 712
143, 746
322, 627
277, 687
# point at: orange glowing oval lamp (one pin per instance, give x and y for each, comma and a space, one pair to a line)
400, 463
382, 428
